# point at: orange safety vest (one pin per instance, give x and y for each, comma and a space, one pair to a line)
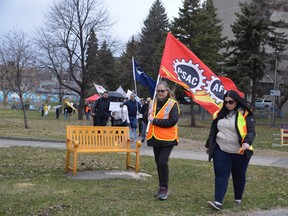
165, 134
88, 109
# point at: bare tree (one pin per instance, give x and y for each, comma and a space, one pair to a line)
4, 85
63, 42
16, 53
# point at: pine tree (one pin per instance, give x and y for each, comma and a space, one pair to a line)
254, 33
105, 68
91, 62
124, 68
200, 30
152, 39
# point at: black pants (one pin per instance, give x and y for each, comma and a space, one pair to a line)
140, 125
161, 155
100, 121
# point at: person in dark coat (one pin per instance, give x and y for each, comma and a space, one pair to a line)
101, 112
144, 112
230, 145
57, 113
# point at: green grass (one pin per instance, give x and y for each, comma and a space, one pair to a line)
33, 180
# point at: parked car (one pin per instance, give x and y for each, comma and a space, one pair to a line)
263, 103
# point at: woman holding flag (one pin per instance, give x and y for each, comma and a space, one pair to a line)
163, 133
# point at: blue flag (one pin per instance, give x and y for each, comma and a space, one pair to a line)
144, 79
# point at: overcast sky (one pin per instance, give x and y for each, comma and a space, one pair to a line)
129, 15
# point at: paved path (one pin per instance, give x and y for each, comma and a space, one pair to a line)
176, 153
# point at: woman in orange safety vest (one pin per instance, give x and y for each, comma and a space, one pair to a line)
163, 133
230, 145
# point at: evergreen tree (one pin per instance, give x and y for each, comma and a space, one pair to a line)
124, 69
200, 30
152, 39
255, 33
91, 62
105, 68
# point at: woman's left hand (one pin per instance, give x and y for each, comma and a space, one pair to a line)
245, 146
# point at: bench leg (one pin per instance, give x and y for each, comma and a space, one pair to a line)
128, 158
137, 161
74, 163
67, 160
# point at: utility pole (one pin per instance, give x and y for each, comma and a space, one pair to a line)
275, 86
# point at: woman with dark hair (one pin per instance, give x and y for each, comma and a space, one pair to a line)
230, 145
163, 134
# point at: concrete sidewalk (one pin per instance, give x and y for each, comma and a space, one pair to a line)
176, 153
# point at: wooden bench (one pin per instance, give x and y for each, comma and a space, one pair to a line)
99, 139
284, 136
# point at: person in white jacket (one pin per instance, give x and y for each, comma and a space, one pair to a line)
121, 117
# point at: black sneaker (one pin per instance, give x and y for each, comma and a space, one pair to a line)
143, 140
214, 205
163, 193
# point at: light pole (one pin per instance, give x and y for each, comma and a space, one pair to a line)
275, 80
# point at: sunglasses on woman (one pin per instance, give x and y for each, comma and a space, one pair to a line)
230, 102
162, 91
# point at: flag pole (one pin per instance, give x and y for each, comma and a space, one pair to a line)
153, 100
133, 65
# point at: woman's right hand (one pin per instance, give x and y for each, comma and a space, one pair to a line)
150, 118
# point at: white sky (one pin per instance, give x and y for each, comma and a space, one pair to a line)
129, 15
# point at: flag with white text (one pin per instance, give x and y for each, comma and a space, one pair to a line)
182, 66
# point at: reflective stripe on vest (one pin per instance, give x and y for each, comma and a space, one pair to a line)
215, 114
165, 134
241, 124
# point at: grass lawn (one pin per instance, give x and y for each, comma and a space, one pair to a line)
33, 180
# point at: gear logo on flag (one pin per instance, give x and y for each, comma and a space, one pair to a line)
215, 89
190, 74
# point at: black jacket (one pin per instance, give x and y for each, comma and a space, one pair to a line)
144, 111
165, 123
101, 107
211, 142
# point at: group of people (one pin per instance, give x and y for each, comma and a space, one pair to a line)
229, 143
126, 115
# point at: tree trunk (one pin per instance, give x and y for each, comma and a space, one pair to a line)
24, 112
5, 95
193, 121
253, 93
81, 107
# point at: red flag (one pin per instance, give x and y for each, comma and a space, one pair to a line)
182, 66
230, 85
